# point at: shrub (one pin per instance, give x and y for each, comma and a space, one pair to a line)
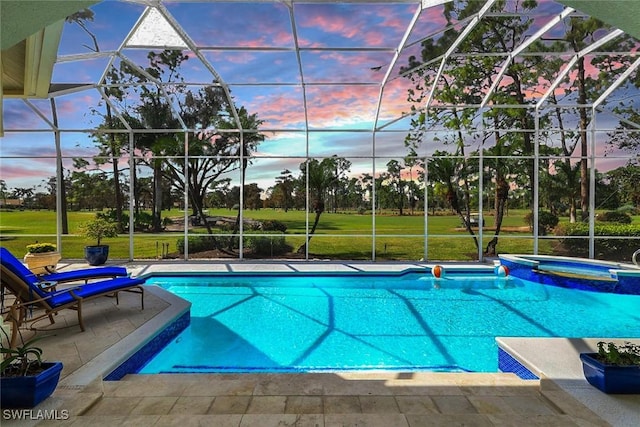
197, 244
98, 229
546, 221
614, 216
225, 226
142, 221
628, 209
39, 248
607, 247
110, 215
274, 225
268, 245
627, 354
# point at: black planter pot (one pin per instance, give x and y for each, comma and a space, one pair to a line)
27, 392
96, 255
608, 378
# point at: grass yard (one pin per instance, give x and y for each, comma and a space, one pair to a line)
338, 235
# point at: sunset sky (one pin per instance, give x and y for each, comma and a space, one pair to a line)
343, 59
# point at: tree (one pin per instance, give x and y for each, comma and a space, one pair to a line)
354, 195
252, 196
457, 86
284, 189
498, 35
111, 147
626, 136
90, 186
561, 188
445, 168
209, 155
221, 138
568, 142
3, 191
411, 161
624, 181
366, 182
246, 140
338, 186
111, 144
586, 88
321, 177
394, 180
155, 112
469, 80
25, 194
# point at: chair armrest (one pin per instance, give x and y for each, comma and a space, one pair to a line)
20, 303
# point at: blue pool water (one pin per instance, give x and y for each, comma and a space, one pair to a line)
411, 321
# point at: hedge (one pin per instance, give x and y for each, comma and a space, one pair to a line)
606, 244
274, 244
613, 216
197, 244
546, 221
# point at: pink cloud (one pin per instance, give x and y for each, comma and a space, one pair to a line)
399, 25
282, 38
394, 105
219, 58
279, 110
18, 116
365, 25
31, 170
328, 105
331, 23
375, 39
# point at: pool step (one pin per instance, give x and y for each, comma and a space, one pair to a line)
383, 383
571, 275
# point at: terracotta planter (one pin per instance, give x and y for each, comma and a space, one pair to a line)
44, 262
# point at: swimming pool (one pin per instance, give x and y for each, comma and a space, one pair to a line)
408, 321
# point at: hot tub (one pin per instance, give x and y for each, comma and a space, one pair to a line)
577, 273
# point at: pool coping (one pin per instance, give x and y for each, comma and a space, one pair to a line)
109, 360
557, 360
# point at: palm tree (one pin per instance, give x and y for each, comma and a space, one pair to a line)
321, 177
444, 168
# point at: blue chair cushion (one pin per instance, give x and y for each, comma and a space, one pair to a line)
16, 266
68, 276
92, 289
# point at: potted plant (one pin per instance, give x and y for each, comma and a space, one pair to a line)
42, 258
614, 368
96, 230
26, 379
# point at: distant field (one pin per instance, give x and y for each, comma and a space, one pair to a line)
338, 236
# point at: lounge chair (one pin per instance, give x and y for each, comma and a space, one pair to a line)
29, 292
9, 260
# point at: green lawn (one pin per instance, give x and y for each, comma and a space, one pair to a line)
338, 236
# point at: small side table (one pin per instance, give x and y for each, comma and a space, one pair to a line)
48, 285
